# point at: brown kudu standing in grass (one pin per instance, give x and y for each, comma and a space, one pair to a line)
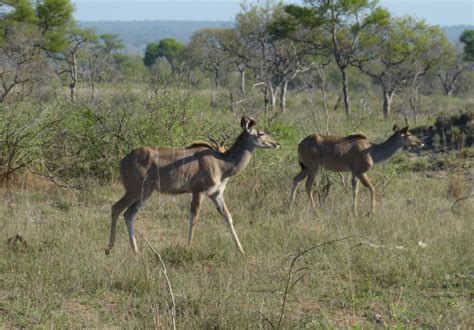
353, 153
198, 169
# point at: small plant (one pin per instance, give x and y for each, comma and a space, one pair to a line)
419, 165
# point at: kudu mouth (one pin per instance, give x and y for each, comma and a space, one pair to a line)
416, 144
271, 145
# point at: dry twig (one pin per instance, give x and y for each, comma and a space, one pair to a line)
173, 311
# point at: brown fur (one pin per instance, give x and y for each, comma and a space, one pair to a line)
353, 153
198, 169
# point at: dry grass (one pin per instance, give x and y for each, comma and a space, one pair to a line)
409, 265
61, 277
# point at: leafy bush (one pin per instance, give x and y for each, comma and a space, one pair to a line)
25, 132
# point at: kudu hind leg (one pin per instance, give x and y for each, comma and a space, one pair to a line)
194, 215
309, 186
366, 182
355, 193
296, 182
219, 202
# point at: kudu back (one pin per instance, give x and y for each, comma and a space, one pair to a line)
199, 169
353, 153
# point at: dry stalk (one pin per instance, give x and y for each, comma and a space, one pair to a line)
158, 255
289, 285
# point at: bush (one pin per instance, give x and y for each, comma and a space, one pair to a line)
25, 131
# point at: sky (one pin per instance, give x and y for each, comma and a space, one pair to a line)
441, 12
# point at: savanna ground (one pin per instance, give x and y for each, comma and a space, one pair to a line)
409, 265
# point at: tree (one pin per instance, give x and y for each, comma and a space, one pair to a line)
102, 58
237, 53
20, 63
206, 50
151, 54
77, 40
467, 38
450, 70
54, 19
337, 26
24, 34
167, 48
111, 43
275, 59
397, 54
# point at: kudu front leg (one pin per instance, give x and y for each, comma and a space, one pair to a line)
194, 215
219, 202
117, 209
129, 216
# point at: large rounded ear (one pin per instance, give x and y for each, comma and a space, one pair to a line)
395, 128
404, 130
247, 122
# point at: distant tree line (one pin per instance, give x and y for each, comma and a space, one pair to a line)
271, 49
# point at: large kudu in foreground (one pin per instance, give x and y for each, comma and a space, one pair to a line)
353, 153
198, 169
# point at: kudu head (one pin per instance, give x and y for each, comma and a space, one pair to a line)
257, 136
406, 137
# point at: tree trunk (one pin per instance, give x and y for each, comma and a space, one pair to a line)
242, 80
345, 90
284, 89
448, 85
72, 85
217, 77
387, 102
92, 77
273, 94
266, 101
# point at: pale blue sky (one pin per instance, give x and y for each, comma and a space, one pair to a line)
442, 12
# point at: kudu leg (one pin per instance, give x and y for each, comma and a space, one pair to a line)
366, 182
309, 186
130, 215
355, 192
117, 209
219, 202
296, 182
194, 215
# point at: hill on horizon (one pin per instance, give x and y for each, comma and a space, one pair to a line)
137, 34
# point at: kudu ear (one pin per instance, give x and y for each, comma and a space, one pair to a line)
404, 130
395, 128
247, 122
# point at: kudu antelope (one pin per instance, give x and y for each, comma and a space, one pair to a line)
353, 153
198, 169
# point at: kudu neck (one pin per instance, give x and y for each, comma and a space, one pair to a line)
385, 150
238, 156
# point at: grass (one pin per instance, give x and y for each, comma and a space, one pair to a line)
379, 276
409, 265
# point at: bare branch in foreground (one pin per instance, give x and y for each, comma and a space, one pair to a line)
173, 310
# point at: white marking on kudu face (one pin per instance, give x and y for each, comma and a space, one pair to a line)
262, 139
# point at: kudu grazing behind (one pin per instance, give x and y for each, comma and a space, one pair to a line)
198, 169
353, 153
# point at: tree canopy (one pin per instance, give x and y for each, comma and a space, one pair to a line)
467, 38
